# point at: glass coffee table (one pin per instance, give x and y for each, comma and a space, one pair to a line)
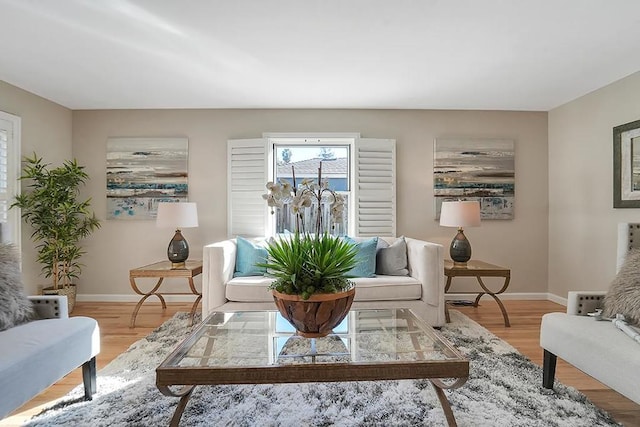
260, 347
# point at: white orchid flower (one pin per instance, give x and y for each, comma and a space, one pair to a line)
272, 201
286, 188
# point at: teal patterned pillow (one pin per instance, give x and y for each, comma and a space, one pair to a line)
248, 254
365, 259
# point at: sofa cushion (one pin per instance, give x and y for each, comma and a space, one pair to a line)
391, 260
248, 254
380, 288
623, 296
249, 289
387, 288
365, 259
15, 307
37, 354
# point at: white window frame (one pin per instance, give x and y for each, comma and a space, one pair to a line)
12, 124
315, 140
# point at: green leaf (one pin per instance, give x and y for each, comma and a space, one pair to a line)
303, 264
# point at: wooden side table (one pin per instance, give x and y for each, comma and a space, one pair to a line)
478, 269
161, 270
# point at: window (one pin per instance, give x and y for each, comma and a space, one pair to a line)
9, 173
371, 181
295, 161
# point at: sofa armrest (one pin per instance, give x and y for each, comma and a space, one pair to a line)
50, 306
426, 264
218, 265
580, 303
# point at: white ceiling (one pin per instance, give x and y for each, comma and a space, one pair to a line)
432, 54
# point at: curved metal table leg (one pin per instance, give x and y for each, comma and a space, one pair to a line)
439, 387
194, 291
134, 286
184, 393
194, 307
494, 295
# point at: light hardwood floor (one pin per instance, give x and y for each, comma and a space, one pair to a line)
116, 337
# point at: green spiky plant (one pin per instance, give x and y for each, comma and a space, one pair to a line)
50, 204
304, 264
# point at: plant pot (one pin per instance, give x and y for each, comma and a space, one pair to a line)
317, 316
69, 291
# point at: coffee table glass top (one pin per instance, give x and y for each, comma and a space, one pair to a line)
265, 339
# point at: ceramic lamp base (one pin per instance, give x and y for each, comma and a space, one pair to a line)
460, 250
178, 250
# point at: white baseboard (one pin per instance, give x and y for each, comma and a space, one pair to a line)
131, 298
557, 299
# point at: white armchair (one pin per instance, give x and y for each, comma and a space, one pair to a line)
597, 348
37, 354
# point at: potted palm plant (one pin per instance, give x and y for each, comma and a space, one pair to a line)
312, 289
50, 205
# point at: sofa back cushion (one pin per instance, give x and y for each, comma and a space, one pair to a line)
248, 254
391, 260
15, 307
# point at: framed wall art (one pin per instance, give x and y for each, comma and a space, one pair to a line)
626, 165
142, 172
475, 169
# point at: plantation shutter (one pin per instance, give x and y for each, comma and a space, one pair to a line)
9, 171
247, 162
375, 187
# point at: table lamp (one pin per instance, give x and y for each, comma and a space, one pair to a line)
177, 215
461, 213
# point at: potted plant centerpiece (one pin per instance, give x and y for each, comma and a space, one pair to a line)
59, 220
312, 289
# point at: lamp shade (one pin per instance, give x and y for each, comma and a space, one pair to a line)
177, 215
461, 213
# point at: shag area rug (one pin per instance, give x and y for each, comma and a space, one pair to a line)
504, 389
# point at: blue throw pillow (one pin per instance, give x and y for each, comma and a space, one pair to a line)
365, 259
248, 254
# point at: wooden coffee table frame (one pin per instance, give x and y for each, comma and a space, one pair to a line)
187, 378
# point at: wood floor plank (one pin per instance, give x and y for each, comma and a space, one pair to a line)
116, 337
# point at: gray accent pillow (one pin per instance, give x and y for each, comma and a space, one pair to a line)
392, 260
15, 307
623, 296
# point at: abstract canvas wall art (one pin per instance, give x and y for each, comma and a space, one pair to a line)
142, 172
476, 169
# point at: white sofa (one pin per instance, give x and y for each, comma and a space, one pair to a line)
422, 290
36, 354
597, 348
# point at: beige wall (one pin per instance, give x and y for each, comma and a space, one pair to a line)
119, 246
582, 221
46, 129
